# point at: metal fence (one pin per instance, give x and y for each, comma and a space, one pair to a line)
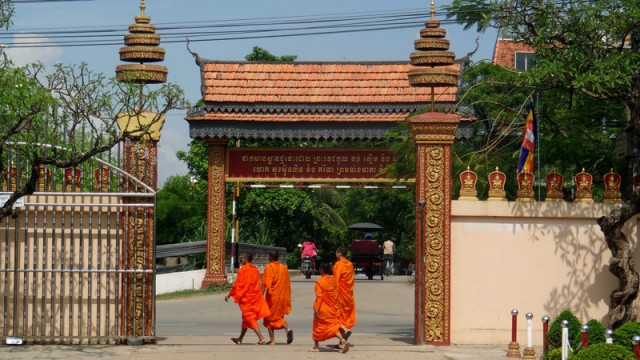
64, 266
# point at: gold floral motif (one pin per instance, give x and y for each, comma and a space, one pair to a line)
216, 207
424, 78
141, 162
431, 43
141, 53
142, 39
435, 138
432, 58
435, 247
433, 33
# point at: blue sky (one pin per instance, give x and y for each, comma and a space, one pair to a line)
385, 45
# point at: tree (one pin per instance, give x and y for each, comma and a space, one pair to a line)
260, 54
393, 209
66, 117
181, 212
589, 47
6, 13
291, 214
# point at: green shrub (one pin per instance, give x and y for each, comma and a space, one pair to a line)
554, 336
623, 334
556, 354
605, 351
596, 332
293, 259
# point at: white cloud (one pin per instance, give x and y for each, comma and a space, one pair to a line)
171, 141
26, 55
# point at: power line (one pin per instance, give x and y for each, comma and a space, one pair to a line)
223, 30
45, 1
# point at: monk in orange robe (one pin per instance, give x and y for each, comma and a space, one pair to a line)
326, 324
247, 292
343, 274
277, 286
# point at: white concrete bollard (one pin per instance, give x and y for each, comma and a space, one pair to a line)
565, 339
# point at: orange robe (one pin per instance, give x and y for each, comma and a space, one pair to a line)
343, 274
326, 324
276, 282
247, 293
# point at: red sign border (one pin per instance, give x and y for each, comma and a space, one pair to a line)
381, 179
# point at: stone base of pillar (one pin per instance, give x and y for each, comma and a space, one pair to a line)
514, 350
213, 279
529, 354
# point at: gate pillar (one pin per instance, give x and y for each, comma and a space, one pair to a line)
434, 134
140, 159
216, 274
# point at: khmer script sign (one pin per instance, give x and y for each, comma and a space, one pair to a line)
291, 164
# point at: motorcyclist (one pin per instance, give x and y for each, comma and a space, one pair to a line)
309, 249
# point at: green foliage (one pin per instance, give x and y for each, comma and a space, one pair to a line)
391, 209
596, 332
623, 334
259, 233
556, 354
181, 211
499, 99
554, 336
293, 259
401, 143
197, 159
67, 117
605, 351
291, 213
6, 13
586, 80
260, 54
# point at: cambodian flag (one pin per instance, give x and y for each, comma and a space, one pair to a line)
529, 141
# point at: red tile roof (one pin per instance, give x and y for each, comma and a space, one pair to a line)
314, 83
504, 53
301, 117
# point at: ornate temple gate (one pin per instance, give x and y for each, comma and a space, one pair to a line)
342, 101
76, 260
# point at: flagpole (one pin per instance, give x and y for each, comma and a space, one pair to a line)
537, 114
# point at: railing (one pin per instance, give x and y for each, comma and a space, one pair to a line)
260, 252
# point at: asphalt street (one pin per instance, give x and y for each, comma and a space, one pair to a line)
200, 328
384, 307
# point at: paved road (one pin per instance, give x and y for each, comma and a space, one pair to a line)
384, 307
200, 327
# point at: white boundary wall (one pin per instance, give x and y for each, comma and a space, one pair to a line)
185, 280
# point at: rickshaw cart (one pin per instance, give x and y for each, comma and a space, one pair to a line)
365, 253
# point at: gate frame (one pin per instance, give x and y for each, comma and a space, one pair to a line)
127, 301
337, 100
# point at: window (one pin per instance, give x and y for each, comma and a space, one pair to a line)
524, 60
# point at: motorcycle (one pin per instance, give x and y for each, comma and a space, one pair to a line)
307, 268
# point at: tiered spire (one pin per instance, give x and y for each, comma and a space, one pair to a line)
141, 46
432, 58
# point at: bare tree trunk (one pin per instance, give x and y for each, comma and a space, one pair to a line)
622, 266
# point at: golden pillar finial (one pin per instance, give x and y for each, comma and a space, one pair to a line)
433, 10
142, 7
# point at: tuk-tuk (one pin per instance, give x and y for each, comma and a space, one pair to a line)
365, 251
